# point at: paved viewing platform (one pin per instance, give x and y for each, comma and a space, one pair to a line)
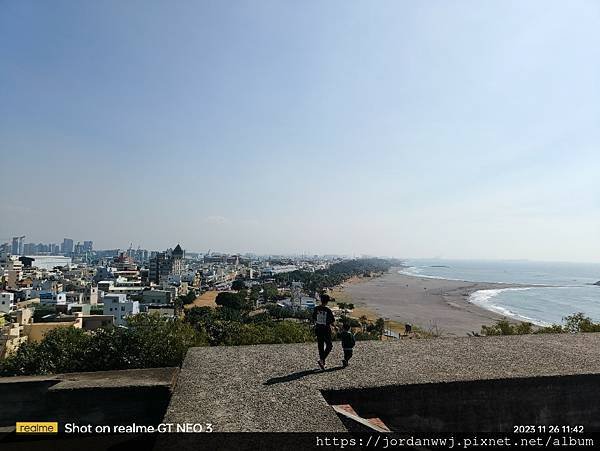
279, 388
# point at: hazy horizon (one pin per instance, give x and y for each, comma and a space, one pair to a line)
461, 130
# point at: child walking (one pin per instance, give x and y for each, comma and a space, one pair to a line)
348, 343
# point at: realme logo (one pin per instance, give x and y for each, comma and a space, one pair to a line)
48, 427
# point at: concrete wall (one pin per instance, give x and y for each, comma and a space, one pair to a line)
104, 397
35, 332
480, 406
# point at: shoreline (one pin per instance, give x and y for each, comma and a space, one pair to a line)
427, 302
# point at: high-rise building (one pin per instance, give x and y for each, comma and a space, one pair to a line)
177, 259
67, 246
17, 245
88, 246
164, 264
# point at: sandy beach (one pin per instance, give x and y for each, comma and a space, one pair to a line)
425, 302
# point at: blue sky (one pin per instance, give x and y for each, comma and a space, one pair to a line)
455, 129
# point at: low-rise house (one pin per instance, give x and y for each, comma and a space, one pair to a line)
51, 299
28, 303
7, 302
73, 297
12, 335
35, 332
167, 312
93, 322
118, 306
157, 297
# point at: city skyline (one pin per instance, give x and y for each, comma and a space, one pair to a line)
413, 130
247, 251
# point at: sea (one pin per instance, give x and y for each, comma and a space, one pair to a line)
556, 290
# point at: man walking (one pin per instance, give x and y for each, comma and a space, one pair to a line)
324, 319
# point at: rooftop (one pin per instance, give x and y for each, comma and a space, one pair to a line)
277, 387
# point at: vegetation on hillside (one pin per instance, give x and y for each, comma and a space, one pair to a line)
575, 323
337, 273
148, 341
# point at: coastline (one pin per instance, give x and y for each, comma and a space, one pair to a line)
426, 302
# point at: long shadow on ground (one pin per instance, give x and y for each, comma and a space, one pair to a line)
299, 375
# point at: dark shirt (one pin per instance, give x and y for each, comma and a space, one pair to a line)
348, 340
323, 316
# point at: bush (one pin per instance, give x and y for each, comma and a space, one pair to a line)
503, 327
236, 301
238, 285
553, 329
232, 333
580, 323
279, 312
149, 341
573, 324
364, 336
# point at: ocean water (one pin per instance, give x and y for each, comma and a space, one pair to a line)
557, 289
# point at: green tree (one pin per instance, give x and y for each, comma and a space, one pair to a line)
238, 285
200, 315
161, 342
25, 361
580, 323
379, 327
227, 313
236, 301
254, 293
270, 292
148, 341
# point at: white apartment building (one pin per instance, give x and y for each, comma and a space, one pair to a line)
118, 306
53, 299
7, 302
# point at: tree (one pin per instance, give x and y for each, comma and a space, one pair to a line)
161, 341
238, 285
236, 301
254, 295
199, 315
148, 341
232, 314
580, 323
364, 321
270, 291
379, 328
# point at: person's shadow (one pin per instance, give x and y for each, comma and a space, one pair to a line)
299, 375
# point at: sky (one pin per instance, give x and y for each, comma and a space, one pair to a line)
461, 129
